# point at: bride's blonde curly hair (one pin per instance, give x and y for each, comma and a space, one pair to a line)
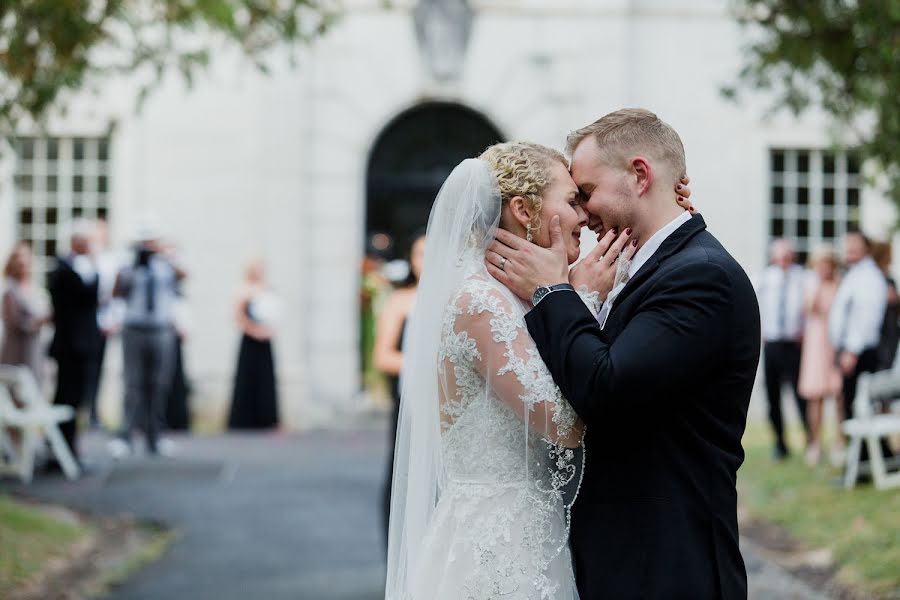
523, 169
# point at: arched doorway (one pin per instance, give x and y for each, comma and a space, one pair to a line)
410, 160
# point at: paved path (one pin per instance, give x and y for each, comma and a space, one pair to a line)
270, 517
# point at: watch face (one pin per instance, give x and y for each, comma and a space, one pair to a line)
539, 294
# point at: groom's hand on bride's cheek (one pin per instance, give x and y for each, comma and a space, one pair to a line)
524, 266
597, 270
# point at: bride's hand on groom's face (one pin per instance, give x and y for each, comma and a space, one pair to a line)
597, 270
523, 266
683, 193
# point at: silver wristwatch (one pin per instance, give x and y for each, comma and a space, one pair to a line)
545, 290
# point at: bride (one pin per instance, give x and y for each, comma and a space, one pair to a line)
486, 466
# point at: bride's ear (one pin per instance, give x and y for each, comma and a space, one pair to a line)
520, 210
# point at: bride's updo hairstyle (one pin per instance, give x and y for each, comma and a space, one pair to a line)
522, 169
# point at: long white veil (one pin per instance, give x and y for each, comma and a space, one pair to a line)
462, 225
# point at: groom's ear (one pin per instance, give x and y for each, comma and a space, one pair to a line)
520, 210
643, 174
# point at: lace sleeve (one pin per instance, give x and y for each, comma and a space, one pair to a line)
511, 365
591, 299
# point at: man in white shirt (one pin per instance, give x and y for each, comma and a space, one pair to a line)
854, 324
781, 291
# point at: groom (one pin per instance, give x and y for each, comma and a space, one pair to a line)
662, 377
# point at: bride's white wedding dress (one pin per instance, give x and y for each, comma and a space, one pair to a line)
500, 529
486, 470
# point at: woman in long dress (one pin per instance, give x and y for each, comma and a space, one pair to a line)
254, 403
25, 312
820, 377
388, 350
487, 458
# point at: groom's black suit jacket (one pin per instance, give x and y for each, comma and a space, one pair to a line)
664, 390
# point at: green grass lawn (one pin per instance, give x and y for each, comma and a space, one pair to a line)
861, 527
29, 538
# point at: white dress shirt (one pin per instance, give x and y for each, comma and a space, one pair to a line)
854, 323
84, 266
782, 298
641, 256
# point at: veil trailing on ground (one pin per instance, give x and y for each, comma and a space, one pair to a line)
462, 225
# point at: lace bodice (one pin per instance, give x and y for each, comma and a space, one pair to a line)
508, 440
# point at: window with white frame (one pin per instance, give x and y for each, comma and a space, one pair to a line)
814, 197
58, 180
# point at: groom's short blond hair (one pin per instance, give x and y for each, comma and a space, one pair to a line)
630, 132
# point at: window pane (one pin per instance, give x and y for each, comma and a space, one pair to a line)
77, 212
52, 182
51, 247
26, 217
78, 149
853, 197
51, 215
803, 162
26, 148
52, 149
828, 228
828, 163
78, 183
803, 196
828, 196
778, 161
803, 228
777, 227
103, 150
102, 212
852, 164
778, 195
101, 184
25, 183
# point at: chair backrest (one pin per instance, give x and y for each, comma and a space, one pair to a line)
7, 406
22, 384
862, 404
884, 385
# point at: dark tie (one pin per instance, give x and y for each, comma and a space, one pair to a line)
151, 291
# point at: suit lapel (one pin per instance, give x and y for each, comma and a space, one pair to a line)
670, 246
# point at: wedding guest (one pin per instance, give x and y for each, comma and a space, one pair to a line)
73, 288
149, 288
25, 312
820, 377
254, 402
781, 290
890, 328
178, 414
387, 353
854, 322
107, 270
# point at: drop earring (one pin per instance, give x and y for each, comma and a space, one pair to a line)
528, 236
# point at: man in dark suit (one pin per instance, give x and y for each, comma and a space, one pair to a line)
662, 376
73, 292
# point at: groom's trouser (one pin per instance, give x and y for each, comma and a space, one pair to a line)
782, 363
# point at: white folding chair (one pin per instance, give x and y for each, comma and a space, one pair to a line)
37, 419
868, 427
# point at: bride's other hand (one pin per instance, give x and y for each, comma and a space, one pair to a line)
597, 270
683, 193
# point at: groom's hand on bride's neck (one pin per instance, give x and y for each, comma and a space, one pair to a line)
525, 265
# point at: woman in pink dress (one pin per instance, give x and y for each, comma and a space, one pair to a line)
819, 376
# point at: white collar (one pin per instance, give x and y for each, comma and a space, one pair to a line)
652, 245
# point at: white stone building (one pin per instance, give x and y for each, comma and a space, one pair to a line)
299, 165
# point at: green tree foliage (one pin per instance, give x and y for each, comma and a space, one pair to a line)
49, 47
841, 55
